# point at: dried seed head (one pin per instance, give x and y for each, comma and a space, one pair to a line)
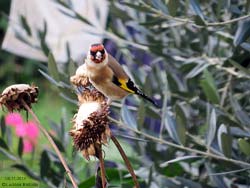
13, 96
80, 78
91, 95
91, 124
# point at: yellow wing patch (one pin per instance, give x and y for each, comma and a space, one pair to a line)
123, 84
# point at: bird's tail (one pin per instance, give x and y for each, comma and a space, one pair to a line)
138, 92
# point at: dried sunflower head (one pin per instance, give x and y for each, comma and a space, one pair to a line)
13, 96
80, 78
91, 124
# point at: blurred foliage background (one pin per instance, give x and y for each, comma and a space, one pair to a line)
193, 58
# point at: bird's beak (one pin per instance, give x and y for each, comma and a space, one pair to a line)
98, 55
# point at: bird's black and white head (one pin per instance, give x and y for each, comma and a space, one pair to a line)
97, 54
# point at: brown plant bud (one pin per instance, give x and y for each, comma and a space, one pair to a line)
13, 96
80, 78
91, 124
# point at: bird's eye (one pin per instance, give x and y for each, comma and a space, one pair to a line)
102, 51
92, 53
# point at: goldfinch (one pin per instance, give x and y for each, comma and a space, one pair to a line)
108, 76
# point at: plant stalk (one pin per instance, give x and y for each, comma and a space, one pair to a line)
126, 160
51, 141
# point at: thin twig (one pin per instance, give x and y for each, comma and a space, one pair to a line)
225, 89
51, 141
102, 167
188, 21
125, 158
201, 143
229, 21
229, 172
181, 147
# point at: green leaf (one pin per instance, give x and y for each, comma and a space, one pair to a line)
241, 115
159, 5
173, 6
181, 123
141, 114
42, 34
173, 169
3, 126
44, 164
188, 182
224, 141
72, 67
48, 77
20, 147
226, 144
209, 87
26, 170
83, 19
241, 68
211, 128
196, 8
7, 154
127, 116
3, 144
199, 21
216, 180
25, 25
59, 144
52, 67
88, 183
140, 8
242, 33
244, 146
170, 124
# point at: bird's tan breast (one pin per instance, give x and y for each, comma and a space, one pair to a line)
102, 81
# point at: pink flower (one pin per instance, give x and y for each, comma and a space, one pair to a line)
27, 130
13, 119
27, 146
21, 130
32, 130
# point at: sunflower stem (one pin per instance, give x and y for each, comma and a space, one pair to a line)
126, 160
102, 167
51, 141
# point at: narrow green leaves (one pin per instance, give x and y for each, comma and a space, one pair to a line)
181, 123
209, 87
128, 117
244, 145
44, 164
224, 141
53, 71
242, 33
211, 128
172, 7
25, 25
20, 147
3, 126
197, 9
241, 114
138, 7
3, 144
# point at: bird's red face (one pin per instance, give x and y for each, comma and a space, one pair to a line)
97, 53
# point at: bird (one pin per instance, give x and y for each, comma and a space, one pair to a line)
108, 77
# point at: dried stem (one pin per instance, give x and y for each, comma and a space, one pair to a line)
102, 167
125, 158
51, 141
